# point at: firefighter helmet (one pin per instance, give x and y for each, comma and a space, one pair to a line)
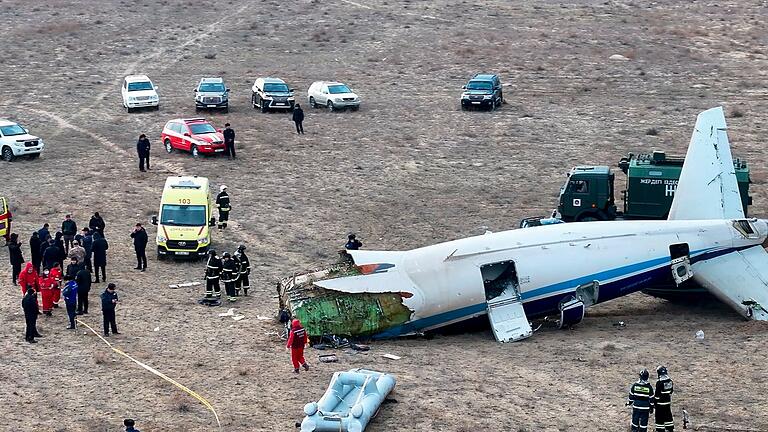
644, 375
661, 370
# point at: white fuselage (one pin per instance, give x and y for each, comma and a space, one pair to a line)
551, 263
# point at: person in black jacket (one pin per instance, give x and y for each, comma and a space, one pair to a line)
88, 246
34, 249
31, 310
213, 269
96, 224
99, 249
60, 246
229, 274
229, 141
129, 425
51, 254
298, 118
108, 304
142, 148
44, 233
69, 230
14, 253
353, 243
72, 268
83, 279
140, 239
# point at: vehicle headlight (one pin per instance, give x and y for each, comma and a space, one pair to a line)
161, 238
487, 96
132, 98
202, 240
464, 96
337, 99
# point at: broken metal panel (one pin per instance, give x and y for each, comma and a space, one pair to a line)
325, 311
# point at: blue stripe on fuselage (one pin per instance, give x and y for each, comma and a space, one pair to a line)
642, 274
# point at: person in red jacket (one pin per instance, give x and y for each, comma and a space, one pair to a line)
47, 283
297, 339
56, 275
27, 278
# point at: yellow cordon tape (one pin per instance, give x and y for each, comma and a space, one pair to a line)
158, 373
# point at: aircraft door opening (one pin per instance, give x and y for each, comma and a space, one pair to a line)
681, 262
505, 306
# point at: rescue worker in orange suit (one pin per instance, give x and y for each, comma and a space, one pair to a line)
28, 278
58, 278
297, 339
213, 269
641, 399
47, 282
663, 401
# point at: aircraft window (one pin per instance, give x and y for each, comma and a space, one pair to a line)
579, 186
745, 228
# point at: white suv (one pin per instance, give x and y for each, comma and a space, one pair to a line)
15, 141
333, 95
139, 92
272, 93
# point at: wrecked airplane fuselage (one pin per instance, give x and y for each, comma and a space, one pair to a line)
557, 269
330, 312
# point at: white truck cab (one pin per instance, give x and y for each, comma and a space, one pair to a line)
16, 141
139, 92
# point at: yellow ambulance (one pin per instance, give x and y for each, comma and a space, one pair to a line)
184, 222
5, 219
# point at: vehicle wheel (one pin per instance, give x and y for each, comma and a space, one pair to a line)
127, 109
226, 109
264, 107
157, 107
168, 146
588, 217
194, 151
312, 102
355, 108
34, 156
253, 100
330, 106
7, 154
197, 109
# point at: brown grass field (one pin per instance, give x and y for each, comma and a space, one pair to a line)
409, 169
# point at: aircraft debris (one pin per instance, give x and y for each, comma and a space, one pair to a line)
700, 335
327, 358
183, 285
391, 356
230, 312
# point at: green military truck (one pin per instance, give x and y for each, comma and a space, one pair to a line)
588, 194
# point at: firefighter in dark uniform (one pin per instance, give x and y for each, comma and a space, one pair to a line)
245, 270
236, 274
663, 401
641, 399
213, 270
222, 203
353, 243
229, 275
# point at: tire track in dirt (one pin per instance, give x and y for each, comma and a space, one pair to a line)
160, 53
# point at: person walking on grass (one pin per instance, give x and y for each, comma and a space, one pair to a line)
83, 279
298, 118
142, 148
140, 239
108, 303
34, 249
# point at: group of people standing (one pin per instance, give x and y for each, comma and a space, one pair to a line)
644, 399
232, 269
60, 267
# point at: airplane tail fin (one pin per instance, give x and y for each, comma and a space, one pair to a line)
707, 188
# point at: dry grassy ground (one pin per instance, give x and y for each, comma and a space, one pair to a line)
408, 169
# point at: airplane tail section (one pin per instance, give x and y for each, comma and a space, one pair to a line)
707, 188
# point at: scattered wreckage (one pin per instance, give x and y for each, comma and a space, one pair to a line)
560, 269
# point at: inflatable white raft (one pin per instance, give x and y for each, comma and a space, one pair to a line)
351, 400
